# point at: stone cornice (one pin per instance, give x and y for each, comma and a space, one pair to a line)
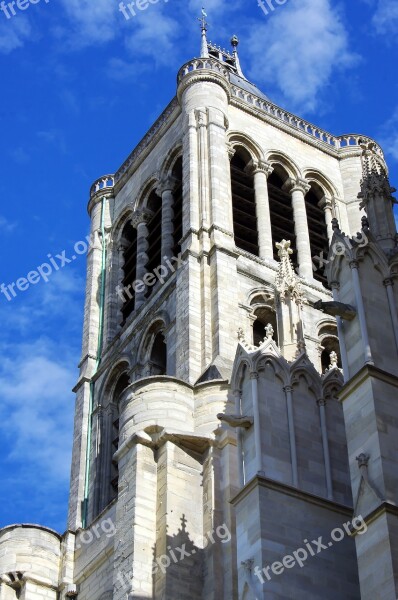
366, 372
148, 142
288, 490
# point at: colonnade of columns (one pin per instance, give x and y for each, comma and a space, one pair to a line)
298, 188
140, 220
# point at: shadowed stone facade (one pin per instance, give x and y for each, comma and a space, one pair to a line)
215, 430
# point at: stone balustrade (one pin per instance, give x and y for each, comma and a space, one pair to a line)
337, 142
104, 182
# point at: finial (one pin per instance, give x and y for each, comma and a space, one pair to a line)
235, 43
204, 50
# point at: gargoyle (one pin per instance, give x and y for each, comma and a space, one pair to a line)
336, 309
236, 420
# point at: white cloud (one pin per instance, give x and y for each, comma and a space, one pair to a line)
298, 48
6, 226
385, 18
92, 22
13, 33
389, 136
36, 409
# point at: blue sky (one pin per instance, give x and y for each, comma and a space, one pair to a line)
80, 86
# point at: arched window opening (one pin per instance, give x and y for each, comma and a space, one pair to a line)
318, 232
281, 211
158, 358
177, 206
244, 203
154, 251
329, 343
265, 316
121, 385
129, 241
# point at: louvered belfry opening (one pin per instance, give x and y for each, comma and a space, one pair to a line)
318, 232
177, 206
244, 203
121, 385
154, 251
281, 211
129, 239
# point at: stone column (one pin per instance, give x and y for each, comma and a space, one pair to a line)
261, 171
298, 189
257, 424
165, 191
325, 445
326, 204
388, 283
292, 435
140, 222
361, 312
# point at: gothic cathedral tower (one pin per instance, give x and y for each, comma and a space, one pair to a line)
209, 436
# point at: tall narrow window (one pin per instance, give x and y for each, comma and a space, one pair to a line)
244, 203
177, 206
158, 357
121, 385
154, 251
129, 240
318, 232
281, 210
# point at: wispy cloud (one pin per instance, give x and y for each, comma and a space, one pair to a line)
389, 136
14, 33
6, 226
314, 44
385, 18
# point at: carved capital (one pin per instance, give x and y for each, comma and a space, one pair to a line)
141, 216
296, 185
321, 402
231, 151
325, 203
168, 184
259, 166
388, 282
253, 375
354, 264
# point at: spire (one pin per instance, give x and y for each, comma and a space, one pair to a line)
235, 43
204, 51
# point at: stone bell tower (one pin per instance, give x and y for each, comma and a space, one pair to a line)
209, 442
